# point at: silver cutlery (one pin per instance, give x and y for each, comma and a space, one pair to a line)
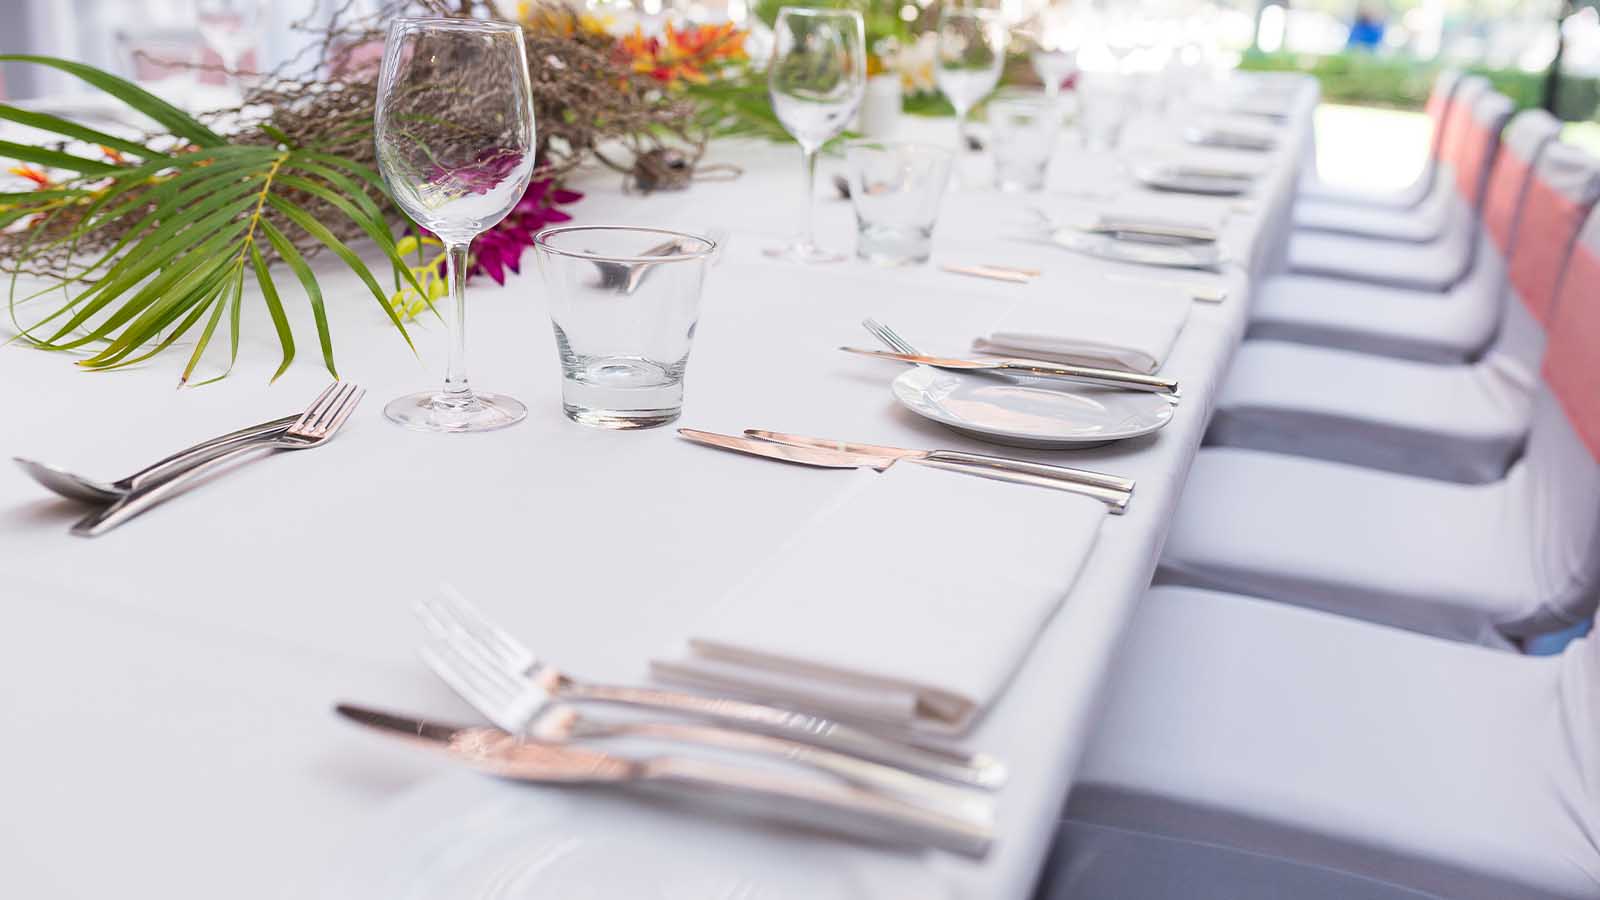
315, 427
520, 705
1117, 500
839, 806
1087, 374
511, 655
89, 490
899, 345
1002, 462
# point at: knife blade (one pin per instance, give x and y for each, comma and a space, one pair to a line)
1115, 498
402, 726
1079, 476
806, 456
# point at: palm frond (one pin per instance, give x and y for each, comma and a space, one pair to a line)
205, 214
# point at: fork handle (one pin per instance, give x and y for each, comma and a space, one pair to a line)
938, 762
835, 805
156, 470
1064, 473
103, 520
952, 801
1110, 377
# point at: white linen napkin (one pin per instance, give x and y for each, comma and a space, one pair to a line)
911, 600
1133, 332
1206, 218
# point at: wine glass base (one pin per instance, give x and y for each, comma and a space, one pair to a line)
800, 252
437, 412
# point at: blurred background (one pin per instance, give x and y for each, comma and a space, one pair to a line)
1376, 59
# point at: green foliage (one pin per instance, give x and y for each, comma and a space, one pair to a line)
168, 240
1361, 78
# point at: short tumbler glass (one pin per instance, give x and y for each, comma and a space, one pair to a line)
896, 188
1023, 131
624, 302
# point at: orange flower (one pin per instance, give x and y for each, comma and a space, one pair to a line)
113, 154
40, 180
684, 55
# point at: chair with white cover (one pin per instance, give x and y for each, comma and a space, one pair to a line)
1490, 563
1323, 207
1437, 262
1462, 421
1452, 327
1438, 766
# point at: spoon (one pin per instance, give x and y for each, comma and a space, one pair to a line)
89, 490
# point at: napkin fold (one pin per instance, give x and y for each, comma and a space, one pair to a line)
1133, 332
911, 600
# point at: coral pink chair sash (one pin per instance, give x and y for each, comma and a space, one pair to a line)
1572, 357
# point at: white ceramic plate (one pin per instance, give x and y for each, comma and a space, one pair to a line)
465, 836
1170, 178
1031, 412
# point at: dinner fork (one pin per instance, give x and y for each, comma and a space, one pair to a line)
519, 705
456, 615
315, 427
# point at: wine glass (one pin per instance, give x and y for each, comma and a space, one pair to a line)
970, 52
455, 144
816, 80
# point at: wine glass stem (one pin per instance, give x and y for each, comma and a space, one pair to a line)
455, 376
809, 157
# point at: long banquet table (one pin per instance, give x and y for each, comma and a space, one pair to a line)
165, 708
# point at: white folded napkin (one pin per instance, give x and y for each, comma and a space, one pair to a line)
912, 600
1124, 326
1205, 218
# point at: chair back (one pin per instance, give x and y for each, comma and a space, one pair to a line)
1557, 482
1524, 140
1477, 142
1439, 99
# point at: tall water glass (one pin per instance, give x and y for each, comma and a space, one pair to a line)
1023, 130
896, 188
968, 57
816, 80
456, 145
624, 302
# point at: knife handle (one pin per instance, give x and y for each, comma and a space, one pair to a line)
1108, 377
1046, 470
938, 762
1117, 500
816, 802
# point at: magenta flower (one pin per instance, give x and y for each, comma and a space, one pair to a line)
501, 247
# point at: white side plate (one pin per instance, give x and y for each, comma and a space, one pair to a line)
1031, 412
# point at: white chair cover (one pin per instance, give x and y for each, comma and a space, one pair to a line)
1442, 767
1315, 192
1459, 324
1510, 559
1441, 262
1463, 422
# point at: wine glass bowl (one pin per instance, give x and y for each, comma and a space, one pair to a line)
455, 143
969, 55
816, 80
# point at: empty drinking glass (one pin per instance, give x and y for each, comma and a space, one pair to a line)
1103, 109
455, 144
896, 188
816, 80
970, 52
624, 302
1023, 130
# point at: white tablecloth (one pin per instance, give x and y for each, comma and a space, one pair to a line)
167, 688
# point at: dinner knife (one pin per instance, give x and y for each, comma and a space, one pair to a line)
1116, 499
1087, 374
840, 806
1082, 476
